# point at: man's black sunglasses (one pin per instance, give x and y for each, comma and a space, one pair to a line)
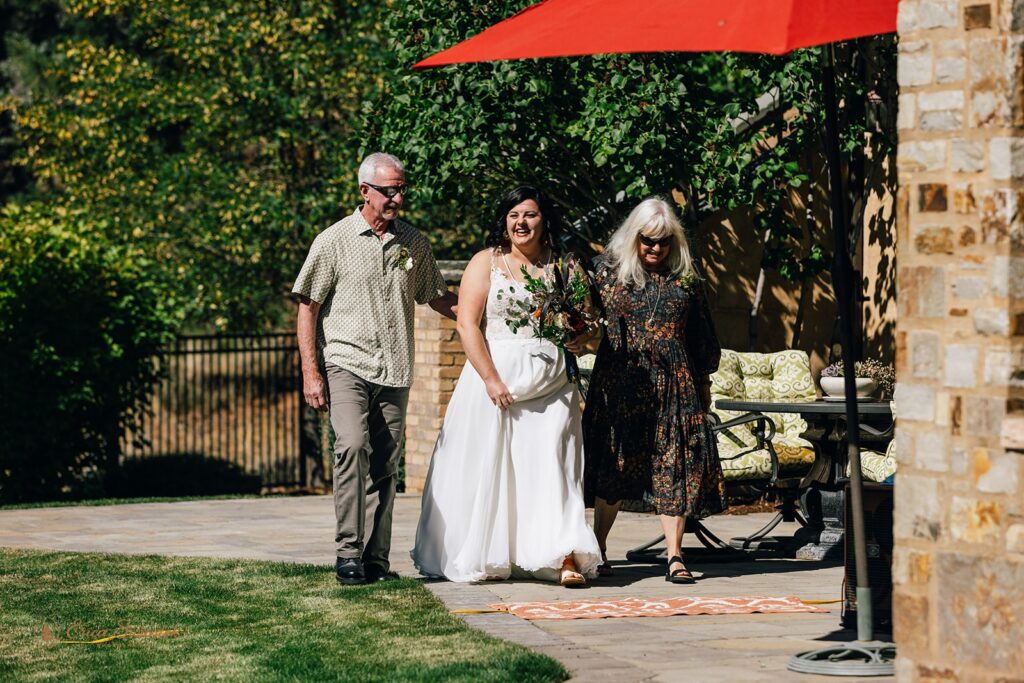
390, 191
652, 242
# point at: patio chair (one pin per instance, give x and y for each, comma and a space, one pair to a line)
876, 466
765, 451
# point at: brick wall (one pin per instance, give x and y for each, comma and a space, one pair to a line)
439, 360
959, 557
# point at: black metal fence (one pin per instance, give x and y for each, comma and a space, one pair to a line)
234, 399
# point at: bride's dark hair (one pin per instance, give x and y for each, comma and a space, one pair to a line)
498, 234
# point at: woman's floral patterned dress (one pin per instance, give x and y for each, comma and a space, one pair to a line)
647, 439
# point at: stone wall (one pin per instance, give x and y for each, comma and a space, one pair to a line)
959, 557
439, 360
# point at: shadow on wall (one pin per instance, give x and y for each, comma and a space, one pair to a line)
731, 250
179, 474
879, 264
731, 253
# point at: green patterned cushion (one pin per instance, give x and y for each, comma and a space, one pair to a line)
782, 376
875, 466
739, 463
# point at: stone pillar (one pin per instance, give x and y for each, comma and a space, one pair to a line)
959, 533
439, 360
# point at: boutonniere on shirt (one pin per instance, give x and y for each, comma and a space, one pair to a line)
403, 259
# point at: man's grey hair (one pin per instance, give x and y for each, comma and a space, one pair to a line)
368, 169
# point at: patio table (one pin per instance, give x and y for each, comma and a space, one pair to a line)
823, 501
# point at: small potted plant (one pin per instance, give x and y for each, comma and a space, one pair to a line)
869, 376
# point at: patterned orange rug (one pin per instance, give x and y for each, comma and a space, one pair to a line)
647, 607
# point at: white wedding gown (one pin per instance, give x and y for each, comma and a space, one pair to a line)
504, 495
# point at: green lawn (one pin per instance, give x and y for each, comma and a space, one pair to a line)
238, 620
85, 502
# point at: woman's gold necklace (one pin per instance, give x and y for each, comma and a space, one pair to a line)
649, 323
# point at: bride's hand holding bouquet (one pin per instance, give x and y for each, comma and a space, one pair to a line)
560, 310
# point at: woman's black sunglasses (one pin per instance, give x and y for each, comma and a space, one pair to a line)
653, 242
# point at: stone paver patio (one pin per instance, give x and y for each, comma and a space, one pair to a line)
752, 647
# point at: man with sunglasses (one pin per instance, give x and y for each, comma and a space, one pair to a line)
357, 291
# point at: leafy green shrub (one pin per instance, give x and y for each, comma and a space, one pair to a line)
79, 327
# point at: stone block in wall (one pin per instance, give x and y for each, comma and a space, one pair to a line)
950, 69
909, 622
995, 471
977, 16
976, 520
987, 65
934, 240
998, 366
983, 416
964, 202
915, 63
988, 108
906, 115
1006, 158
910, 567
915, 402
924, 354
941, 100
992, 321
940, 120
922, 292
967, 156
960, 366
970, 287
922, 16
932, 451
924, 155
932, 197
979, 618
918, 511
1015, 539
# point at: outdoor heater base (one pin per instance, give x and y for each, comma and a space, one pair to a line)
873, 658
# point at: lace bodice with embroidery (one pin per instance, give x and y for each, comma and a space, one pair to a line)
499, 309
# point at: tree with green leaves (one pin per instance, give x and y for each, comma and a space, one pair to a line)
218, 137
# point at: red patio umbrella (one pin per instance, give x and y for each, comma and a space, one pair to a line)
566, 28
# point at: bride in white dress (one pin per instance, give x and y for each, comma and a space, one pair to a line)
504, 495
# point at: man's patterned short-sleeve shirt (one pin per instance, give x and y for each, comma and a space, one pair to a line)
367, 288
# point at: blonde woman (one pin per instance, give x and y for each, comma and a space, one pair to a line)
646, 433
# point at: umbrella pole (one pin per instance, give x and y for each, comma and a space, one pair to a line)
842, 281
861, 658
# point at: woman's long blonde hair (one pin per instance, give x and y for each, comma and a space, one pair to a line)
653, 217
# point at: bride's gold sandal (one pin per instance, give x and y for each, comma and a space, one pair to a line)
568, 576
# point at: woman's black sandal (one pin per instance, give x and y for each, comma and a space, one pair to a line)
680, 575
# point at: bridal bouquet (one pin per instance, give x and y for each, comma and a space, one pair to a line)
556, 311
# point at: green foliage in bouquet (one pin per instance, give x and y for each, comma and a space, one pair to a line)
557, 315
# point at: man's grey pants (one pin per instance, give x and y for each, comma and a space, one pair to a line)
369, 422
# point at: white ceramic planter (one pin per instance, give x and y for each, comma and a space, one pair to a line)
836, 386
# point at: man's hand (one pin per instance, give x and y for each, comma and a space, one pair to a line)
314, 391
446, 305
